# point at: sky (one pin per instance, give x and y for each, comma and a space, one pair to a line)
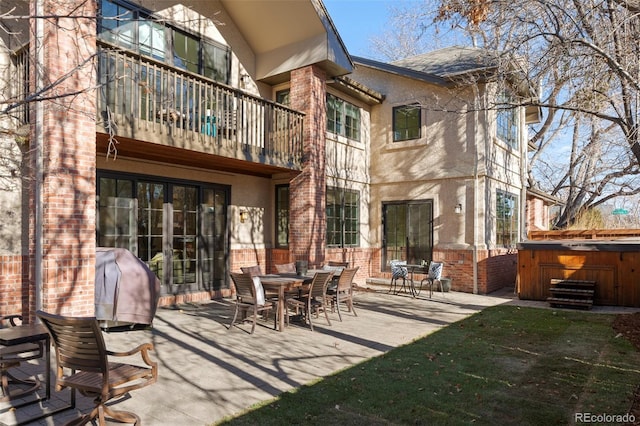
358, 20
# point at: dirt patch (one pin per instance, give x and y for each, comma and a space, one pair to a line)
628, 325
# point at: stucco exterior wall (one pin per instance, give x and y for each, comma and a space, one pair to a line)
440, 165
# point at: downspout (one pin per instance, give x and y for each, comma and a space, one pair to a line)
476, 113
38, 140
524, 167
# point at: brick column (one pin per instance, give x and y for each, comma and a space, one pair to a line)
307, 230
65, 156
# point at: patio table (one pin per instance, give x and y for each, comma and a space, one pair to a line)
33, 333
413, 269
283, 283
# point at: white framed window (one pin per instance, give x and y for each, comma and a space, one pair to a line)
507, 218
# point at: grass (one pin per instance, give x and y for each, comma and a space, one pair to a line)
504, 365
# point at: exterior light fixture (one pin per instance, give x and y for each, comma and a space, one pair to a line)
458, 209
243, 216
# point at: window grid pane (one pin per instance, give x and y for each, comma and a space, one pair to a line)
282, 216
343, 217
507, 208
343, 118
151, 38
406, 122
507, 120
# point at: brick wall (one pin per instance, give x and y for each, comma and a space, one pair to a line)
249, 257
68, 161
307, 200
496, 269
14, 275
363, 258
537, 214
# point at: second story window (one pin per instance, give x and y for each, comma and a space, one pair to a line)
343, 118
215, 62
151, 36
406, 122
136, 30
507, 120
118, 25
284, 97
186, 51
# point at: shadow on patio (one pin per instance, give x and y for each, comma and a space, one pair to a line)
207, 372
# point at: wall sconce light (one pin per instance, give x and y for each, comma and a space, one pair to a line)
458, 209
243, 216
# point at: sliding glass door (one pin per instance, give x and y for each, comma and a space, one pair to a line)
407, 232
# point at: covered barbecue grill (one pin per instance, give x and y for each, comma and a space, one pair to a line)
126, 290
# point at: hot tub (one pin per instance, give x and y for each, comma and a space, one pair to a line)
613, 264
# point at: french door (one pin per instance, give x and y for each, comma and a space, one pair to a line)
407, 232
179, 229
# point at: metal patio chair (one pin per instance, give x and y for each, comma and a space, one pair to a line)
83, 363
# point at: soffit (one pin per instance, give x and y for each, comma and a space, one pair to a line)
129, 148
286, 35
274, 24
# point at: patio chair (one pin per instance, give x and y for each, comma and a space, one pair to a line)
12, 357
83, 363
398, 271
313, 301
286, 268
434, 274
248, 301
255, 272
343, 293
289, 268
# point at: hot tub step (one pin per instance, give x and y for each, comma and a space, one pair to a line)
571, 293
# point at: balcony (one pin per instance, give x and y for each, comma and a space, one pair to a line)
142, 102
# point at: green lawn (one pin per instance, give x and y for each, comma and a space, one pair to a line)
504, 365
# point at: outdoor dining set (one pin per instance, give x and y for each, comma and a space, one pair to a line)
301, 292
401, 270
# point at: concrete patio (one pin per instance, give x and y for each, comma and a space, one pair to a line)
207, 372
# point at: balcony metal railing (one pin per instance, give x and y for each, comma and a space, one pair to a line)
143, 96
